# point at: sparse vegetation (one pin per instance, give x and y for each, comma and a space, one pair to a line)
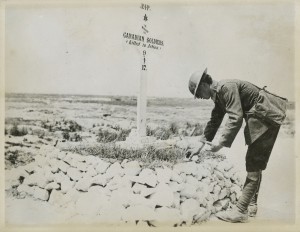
16, 131
112, 135
173, 130
147, 155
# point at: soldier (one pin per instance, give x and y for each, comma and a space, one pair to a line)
237, 99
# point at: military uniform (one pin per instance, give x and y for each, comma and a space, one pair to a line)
236, 98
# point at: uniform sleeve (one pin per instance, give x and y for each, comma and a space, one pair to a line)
214, 123
231, 97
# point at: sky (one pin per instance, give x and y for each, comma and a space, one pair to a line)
78, 49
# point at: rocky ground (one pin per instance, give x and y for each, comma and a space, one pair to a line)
54, 169
185, 194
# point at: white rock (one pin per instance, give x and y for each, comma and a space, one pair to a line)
189, 168
114, 183
52, 185
115, 169
78, 157
41, 194
82, 166
63, 166
138, 212
61, 155
40, 161
167, 217
219, 175
25, 188
56, 198
90, 203
137, 199
233, 197
29, 168
202, 215
66, 185
211, 186
131, 168
84, 183
183, 176
124, 162
201, 198
224, 193
228, 174
11, 183
145, 192
175, 177
54, 169
192, 180
92, 160
102, 166
36, 179
176, 202
189, 191
96, 189
146, 176
203, 188
216, 189
163, 174
235, 189
189, 208
163, 195
59, 177
176, 187
73, 163
137, 188
91, 171
74, 173
228, 183
68, 158
72, 196
100, 179
121, 197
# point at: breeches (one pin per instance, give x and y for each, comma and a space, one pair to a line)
259, 151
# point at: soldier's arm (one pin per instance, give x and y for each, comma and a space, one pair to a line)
214, 123
231, 98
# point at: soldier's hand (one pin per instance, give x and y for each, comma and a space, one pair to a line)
194, 151
213, 147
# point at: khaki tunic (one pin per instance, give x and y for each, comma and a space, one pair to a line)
235, 98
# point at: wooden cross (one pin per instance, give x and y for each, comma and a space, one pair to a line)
143, 41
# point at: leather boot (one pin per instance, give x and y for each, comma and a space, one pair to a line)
252, 208
233, 215
240, 212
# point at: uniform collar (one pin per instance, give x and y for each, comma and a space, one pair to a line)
214, 88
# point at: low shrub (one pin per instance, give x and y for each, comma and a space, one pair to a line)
15, 131
118, 134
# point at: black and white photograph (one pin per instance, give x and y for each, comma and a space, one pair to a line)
149, 114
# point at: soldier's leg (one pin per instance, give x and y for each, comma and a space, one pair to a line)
239, 213
252, 208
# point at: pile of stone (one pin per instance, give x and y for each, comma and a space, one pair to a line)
114, 192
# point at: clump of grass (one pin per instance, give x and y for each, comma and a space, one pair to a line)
174, 130
117, 134
65, 125
16, 131
146, 155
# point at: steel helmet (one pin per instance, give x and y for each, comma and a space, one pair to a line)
195, 80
